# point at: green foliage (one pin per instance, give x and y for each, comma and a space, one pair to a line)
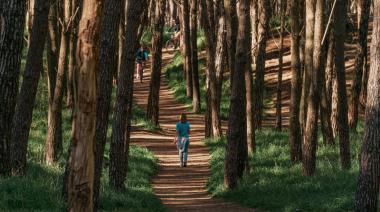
274, 185
201, 39
275, 23
40, 189
176, 81
146, 38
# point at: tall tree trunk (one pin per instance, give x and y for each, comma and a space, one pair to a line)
82, 157
280, 64
309, 44
123, 93
76, 10
212, 123
219, 62
27, 96
254, 24
12, 15
327, 93
109, 32
339, 34
311, 129
30, 19
294, 124
237, 126
263, 27
367, 191
154, 87
54, 135
186, 47
52, 54
232, 30
361, 54
194, 56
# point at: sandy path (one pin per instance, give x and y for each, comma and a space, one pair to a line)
180, 189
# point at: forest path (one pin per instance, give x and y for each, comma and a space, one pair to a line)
180, 189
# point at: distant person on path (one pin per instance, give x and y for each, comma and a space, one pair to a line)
182, 139
175, 32
142, 55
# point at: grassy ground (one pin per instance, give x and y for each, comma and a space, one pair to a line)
273, 184
40, 189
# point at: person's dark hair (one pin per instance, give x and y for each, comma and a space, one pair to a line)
183, 118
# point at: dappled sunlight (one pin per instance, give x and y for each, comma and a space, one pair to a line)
179, 188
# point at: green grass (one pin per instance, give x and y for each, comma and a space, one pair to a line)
274, 185
40, 189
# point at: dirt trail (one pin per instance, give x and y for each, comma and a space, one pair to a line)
180, 189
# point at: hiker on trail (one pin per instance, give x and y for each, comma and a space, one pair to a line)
175, 34
142, 55
182, 139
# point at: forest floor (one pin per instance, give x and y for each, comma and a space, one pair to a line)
180, 189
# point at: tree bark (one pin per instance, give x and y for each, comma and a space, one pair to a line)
280, 64
194, 56
263, 27
232, 30
186, 47
123, 93
294, 124
76, 10
311, 129
109, 32
339, 34
12, 15
212, 123
82, 158
53, 143
361, 54
27, 96
157, 43
309, 44
367, 191
237, 126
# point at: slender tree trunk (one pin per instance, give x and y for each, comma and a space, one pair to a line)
109, 32
367, 191
311, 129
194, 56
12, 15
254, 25
294, 124
309, 44
27, 96
82, 155
343, 130
54, 135
186, 47
30, 18
361, 52
124, 91
76, 10
237, 126
232, 30
212, 123
219, 62
263, 27
154, 88
280, 64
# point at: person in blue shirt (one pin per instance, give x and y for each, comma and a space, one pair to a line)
142, 56
182, 139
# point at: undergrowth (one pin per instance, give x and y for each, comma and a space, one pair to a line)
273, 184
41, 188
